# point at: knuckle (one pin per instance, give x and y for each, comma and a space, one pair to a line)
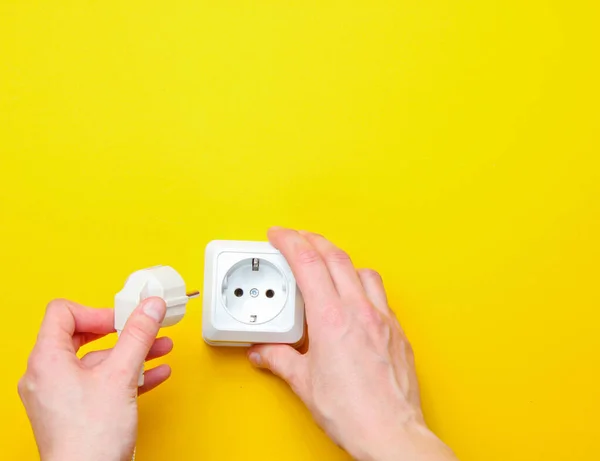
338, 256
370, 274
25, 386
56, 304
308, 256
271, 361
137, 332
278, 364
372, 316
21, 387
35, 363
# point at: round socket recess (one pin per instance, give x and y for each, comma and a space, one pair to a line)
254, 291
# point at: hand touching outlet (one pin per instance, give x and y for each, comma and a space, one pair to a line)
358, 377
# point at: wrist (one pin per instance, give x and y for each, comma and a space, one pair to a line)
77, 457
75, 454
413, 442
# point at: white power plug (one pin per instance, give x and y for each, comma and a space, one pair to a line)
161, 281
250, 296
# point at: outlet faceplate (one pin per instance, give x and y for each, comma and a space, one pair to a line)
254, 291
250, 296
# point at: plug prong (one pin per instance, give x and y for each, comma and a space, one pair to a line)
193, 294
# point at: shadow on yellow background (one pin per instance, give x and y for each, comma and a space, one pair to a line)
452, 145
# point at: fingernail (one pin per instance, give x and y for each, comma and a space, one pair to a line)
255, 359
155, 308
275, 228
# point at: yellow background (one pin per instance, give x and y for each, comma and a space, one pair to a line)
451, 144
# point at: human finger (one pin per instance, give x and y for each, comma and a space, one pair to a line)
160, 348
309, 269
373, 285
343, 273
64, 319
282, 360
81, 339
137, 338
154, 378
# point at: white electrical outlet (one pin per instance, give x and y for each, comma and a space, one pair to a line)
250, 296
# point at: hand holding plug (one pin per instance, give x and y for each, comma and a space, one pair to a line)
87, 408
160, 281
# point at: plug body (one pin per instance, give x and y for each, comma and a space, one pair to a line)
160, 281
250, 296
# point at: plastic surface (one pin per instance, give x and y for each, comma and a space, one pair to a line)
250, 296
161, 281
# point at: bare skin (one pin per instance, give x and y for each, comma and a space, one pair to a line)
357, 377
87, 409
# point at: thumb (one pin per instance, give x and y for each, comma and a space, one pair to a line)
137, 337
282, 360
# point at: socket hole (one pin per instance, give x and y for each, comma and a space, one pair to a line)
238, 292
270, 293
